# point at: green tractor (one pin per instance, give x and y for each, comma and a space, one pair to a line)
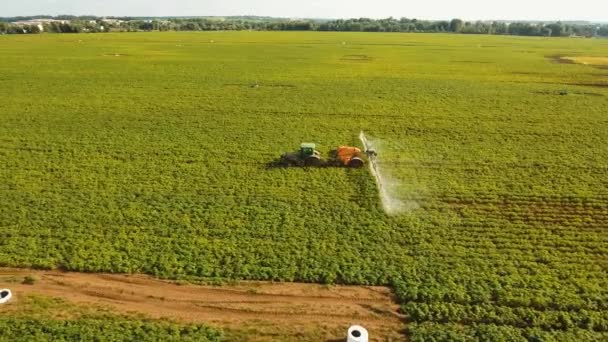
306, 156
342, 156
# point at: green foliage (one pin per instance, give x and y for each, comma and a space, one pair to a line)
148, 152
456, 25
29, 280
101, 329
40, 318
495, 333
72, 24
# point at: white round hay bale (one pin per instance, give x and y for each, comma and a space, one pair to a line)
5, 295
357, 333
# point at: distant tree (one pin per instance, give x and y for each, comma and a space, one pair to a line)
146, 26
456, 25
500, 28
557, 29
525, 29
190, 27
14, 29
32, 29
73, 24
546, 31
443, 26
75, 27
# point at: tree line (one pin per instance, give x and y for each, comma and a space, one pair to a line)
71, 24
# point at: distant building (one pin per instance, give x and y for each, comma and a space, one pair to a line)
112, 21
40, 22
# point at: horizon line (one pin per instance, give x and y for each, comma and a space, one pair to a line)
304, 18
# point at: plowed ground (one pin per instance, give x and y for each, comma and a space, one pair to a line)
252, 311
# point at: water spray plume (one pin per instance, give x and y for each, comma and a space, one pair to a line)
386, 186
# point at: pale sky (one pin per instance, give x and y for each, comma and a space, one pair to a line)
593, 10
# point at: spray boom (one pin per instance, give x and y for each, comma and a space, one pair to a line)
389, 204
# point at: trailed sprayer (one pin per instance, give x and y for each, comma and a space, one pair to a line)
342, 156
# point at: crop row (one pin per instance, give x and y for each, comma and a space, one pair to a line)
504, 227
431, 331
553, 249
101, 329
501, 315
519, 254
511, 297
168, 171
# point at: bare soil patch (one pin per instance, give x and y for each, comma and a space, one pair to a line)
560, 59
587, 84
264, 311
588, 60
598, 62
564, 92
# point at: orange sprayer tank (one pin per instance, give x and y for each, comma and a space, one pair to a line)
348, 154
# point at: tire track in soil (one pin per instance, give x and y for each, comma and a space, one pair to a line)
291, 308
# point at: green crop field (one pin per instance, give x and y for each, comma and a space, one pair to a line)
150, 152
37, 320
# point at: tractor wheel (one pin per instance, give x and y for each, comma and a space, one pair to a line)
290, 159
312, 161
355, 162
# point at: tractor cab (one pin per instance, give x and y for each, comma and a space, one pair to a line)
307, 149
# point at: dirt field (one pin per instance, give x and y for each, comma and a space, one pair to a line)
261, 311
600, 61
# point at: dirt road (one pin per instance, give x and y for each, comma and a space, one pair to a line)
256, 311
